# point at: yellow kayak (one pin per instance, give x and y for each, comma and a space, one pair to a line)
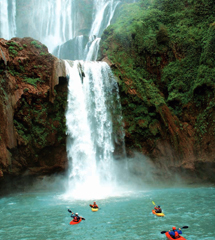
158, 214
94, 209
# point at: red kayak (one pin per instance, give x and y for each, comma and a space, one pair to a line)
74, 222
169, 237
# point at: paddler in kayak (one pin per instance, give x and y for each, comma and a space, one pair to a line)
94, 205
75, 217
175, 233
158, 209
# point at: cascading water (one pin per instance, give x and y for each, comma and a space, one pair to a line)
93, 100
56, 23
7, 18
93, 103
92, 53
103, 12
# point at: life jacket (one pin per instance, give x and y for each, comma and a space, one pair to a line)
95, 206
76, 219
176, 235
158, 210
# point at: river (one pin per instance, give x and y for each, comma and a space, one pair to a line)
43, 215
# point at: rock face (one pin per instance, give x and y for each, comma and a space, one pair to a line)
166, 79
33, 95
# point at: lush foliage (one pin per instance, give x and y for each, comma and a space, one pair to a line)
164, 54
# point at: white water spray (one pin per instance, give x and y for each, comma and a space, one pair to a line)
7, 18
55, 21
103, 12
90, 145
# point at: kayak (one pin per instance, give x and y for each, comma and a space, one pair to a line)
158, 214
169, 237
73, 222
94, 209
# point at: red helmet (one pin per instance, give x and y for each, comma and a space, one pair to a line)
94, 202
173, 228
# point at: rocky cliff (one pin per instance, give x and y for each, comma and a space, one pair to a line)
33, 95
162, 53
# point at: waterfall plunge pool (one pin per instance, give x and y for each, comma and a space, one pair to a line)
44, 215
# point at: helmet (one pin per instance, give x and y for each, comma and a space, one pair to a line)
76, 214
159, 206
173, 228
94, 202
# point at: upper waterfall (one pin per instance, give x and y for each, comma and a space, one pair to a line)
102, 14
7, 19
58, 22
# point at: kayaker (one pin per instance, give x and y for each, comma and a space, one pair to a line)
158, 209
75, 217
175, 233
94, 205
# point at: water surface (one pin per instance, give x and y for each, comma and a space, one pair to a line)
44, 215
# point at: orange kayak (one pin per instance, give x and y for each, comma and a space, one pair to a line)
158, 214
169, 237
74, 222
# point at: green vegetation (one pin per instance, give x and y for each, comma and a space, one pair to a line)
33, 81
38, 122
164, 53
14, 48
12, 44
36, 44
12, 71
13, 52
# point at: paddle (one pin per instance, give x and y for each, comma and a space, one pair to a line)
72, 212
167, 231
153, 203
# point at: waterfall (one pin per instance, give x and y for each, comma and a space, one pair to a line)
55, 21
7, 18
93, 104
103, 12
93, 117
92, 53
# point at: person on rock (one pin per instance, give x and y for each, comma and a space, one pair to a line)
94, 205
158, 209
175, 233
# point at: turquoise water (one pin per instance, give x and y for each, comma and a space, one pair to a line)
42, 215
